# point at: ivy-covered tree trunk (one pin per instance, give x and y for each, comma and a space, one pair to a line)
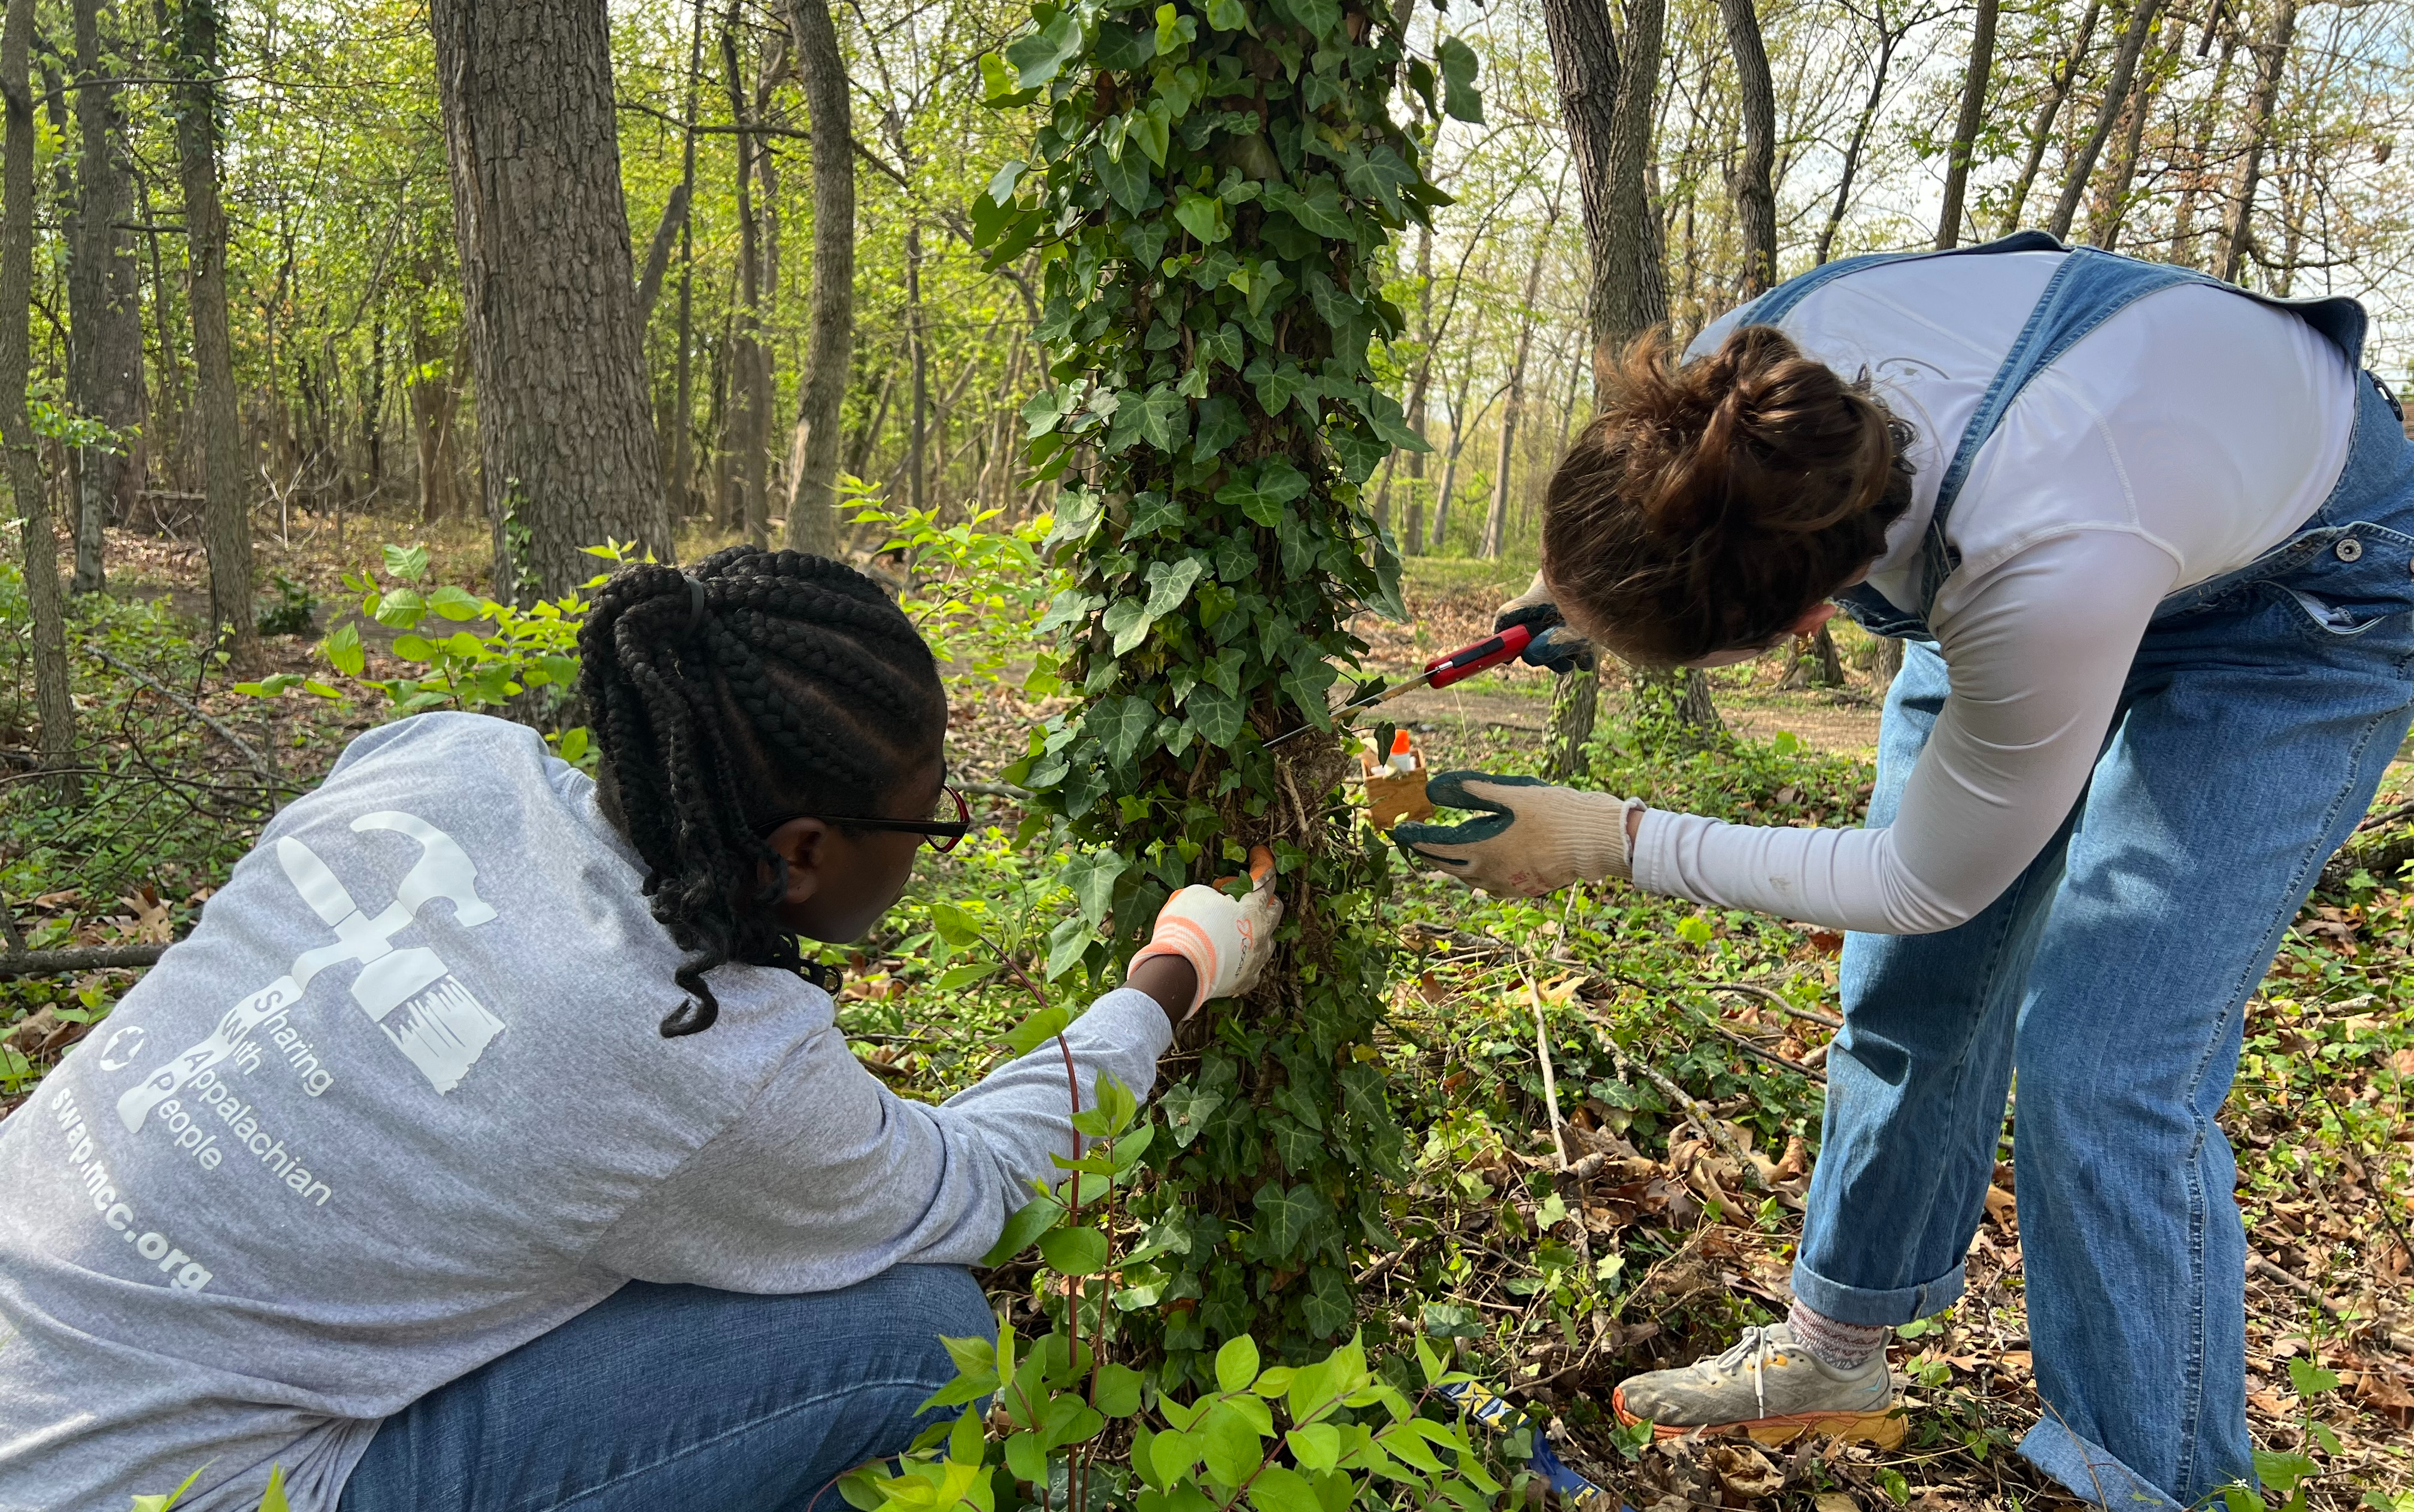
1211, 192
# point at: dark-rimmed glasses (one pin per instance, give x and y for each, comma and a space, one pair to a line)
943, 834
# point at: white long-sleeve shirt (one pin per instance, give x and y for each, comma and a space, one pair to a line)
2182, 440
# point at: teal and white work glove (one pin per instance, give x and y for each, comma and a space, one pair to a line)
1533, 837
1555, 646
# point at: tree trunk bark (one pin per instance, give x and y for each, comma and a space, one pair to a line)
108, 318
1965, 128
1607, 103
916, 441
751, 415
2192, 181
677, 487
1495, 523
2270, 66
2116, 93
29, 497
830, 337
1753, 188
564, 428
2110, 206
226, 514
2041, 130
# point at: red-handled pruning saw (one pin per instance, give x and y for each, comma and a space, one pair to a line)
1441, 672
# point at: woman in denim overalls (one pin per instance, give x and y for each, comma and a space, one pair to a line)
2087, 898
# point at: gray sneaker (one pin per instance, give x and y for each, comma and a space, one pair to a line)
1768, 1387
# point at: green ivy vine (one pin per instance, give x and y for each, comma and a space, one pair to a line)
1212, 194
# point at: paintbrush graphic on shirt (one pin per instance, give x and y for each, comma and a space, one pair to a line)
443, 1028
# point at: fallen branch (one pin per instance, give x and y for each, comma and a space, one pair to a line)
2271, 1270
86, 959
259, 764
1700, 1117
995, 790
1775, 1000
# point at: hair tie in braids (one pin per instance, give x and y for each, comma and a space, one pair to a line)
809, 690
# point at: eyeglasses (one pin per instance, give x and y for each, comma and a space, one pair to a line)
943, 832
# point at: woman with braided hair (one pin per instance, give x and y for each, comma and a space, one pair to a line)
490, 1145
2150, 541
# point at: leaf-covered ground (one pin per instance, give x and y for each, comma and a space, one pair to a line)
1685, 1049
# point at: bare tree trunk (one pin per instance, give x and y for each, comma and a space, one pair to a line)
916, 439
1965, 128
2183, 224
226, 514
1607, 104
1458, 428
564, 425
106, 300
2041, 130
1752, 187
1888, 40
830, 340
2270, 66
2110, 206
1496, 523
2116, 93
29, 496
676, 487
750, 364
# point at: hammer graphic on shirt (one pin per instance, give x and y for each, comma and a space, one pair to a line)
442, 1030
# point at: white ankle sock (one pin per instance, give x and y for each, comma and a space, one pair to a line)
1838, 1345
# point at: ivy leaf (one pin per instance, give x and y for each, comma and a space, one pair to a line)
1381, 175
1459, 100
1169, 584
1281, 481
1286, 1217
1066, 943
1384, 414
1186, 1108
1120, 47
1216, 715
1275, 384
1069, 605
1296, 1147
1127, 182
1219, 423
1226, 15
1202, 216
1319, 16
1153, 128
1326, 1309
1164, 418
1120, 724
1451, 1320
1127, 621
1036, 56
1234, 560
1092, 876
1306, 686
1174, 30
1151, 511
1318, 208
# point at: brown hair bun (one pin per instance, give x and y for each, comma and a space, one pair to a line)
1711, 503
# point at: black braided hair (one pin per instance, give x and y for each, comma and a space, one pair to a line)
795, 684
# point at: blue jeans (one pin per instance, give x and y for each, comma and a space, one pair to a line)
2257, 719
680, 1395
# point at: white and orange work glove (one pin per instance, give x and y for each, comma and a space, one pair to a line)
1532, 838
1226, 939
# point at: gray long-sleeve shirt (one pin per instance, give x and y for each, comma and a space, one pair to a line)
399, 1104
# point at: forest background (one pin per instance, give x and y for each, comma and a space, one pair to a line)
241, 400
